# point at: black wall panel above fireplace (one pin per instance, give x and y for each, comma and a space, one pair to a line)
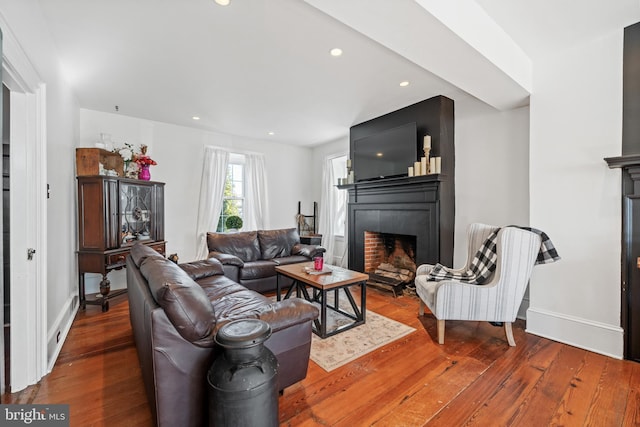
421, 206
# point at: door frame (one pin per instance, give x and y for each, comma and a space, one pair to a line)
28, 212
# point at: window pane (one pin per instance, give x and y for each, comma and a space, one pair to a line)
233, 196
237, 172
236, 189
339, 167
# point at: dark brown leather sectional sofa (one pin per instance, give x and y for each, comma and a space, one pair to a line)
175, 312
250, 257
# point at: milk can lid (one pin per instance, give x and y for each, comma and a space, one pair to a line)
243, 333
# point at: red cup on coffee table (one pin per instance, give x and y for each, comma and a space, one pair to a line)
318, 263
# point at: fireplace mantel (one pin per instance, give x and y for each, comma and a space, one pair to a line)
630, 317
396, 186
623, 161
406, 206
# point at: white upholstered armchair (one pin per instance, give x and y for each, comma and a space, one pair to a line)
499, 298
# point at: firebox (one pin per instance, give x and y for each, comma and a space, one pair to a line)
390, 260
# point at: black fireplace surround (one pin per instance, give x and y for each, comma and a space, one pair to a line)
406, 206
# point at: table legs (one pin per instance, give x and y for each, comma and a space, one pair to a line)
105, 292
319, 296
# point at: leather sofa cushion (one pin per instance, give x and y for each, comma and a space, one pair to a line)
140, 252
258, 270
243, 244
204, 268
308, 251
294, 259
234, 301
277, 243
183, 300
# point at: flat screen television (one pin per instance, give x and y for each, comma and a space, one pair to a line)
385, 154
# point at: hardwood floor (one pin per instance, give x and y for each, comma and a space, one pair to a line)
475, 378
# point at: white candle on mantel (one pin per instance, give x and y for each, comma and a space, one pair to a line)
432, 165
427, 142
417, 168
410, 170
424, 166
438, 164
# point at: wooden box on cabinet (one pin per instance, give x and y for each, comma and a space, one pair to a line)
114, 214
88, 161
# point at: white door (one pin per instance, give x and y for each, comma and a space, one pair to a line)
28, 215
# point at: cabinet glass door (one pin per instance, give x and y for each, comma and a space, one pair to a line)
136, 212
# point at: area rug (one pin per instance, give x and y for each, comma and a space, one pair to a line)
340, 349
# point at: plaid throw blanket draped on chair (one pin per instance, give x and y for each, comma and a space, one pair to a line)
485, 260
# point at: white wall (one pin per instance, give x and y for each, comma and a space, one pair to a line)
576, 121
492, 169
178, 151
28, 26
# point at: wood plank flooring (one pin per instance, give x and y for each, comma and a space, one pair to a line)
474, 379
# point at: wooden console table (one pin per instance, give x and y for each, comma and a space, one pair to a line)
103, 262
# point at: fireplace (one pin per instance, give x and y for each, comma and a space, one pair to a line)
390, 260
405, 206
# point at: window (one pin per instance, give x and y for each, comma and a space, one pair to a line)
339, 166
234, 191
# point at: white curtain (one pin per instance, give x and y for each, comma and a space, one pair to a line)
214, 173
333, 204
255, 209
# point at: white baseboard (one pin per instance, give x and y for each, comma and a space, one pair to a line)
62, 325
582, 333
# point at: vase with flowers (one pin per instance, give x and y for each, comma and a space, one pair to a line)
127, 152
143, 161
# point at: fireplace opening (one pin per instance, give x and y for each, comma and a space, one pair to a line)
390, 260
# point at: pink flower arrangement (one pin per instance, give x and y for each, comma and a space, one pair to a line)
144, 160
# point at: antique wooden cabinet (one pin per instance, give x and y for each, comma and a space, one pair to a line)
113, 214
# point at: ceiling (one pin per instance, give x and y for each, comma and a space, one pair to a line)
263, 66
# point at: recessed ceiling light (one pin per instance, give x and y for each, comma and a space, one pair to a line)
335, 51
404, 83
271, 133
195, 118
223, 2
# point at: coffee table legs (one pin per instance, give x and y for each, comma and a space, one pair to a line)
319, 296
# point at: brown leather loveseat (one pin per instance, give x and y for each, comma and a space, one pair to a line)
175, 312
250, 257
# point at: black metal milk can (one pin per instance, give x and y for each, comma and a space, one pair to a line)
243, 378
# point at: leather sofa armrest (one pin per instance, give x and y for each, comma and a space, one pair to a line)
203, 268
290, 312
227, 259
309, 251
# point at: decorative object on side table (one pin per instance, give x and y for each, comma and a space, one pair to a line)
127, 154
143, 161
136, 164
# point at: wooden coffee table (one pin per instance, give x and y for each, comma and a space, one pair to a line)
340, 278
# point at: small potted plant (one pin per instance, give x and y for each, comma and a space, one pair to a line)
233, 223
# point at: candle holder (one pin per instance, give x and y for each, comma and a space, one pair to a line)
426, 165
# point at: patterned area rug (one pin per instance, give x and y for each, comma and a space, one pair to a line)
340, 349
